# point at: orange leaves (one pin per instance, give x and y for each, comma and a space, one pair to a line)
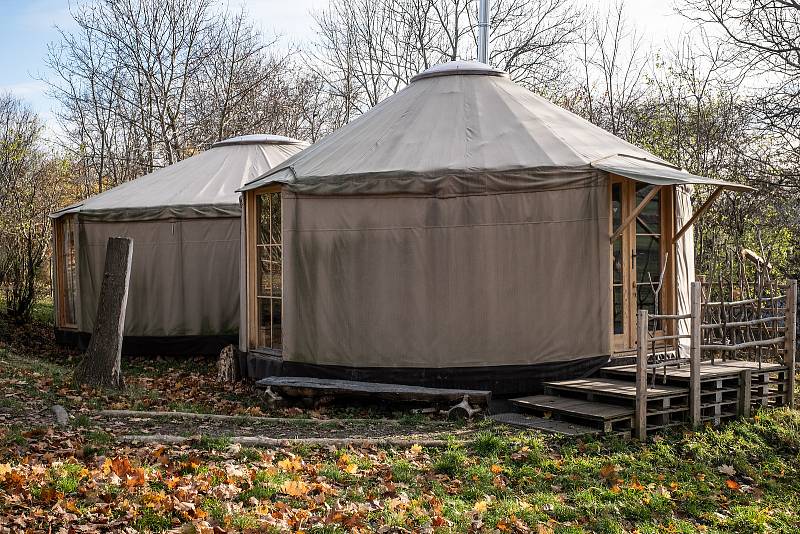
291, 464
346, 465
609, 471
732, 485
295, 488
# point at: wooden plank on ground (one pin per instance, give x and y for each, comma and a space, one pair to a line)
581, 408
548, 426
614, 388
307, 387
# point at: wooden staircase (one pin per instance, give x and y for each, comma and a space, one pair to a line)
663, 389
601, 405
606, 404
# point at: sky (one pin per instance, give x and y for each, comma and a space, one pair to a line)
27, 26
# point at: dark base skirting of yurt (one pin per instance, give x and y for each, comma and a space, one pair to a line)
503, 380
210, 345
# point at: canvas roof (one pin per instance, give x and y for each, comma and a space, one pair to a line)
461, 120
203, 185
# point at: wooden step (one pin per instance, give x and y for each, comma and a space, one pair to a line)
609, 387
549, 426
578, 408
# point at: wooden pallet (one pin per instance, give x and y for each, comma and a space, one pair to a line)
667, 405
607, 417
613, 388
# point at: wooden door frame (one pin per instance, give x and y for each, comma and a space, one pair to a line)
251, 267
60, 272
626, 341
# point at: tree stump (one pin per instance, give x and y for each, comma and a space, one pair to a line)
228, 365
102, 363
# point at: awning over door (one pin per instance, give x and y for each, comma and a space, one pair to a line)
652, 172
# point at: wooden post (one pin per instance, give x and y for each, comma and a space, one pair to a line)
790, 342
642, 331
695, 354
102, 363
745, 395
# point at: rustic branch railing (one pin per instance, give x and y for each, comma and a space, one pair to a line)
744, 326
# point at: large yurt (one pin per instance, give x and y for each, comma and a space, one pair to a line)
465, 232
184, 220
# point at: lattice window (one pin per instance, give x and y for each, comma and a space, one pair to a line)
269, 264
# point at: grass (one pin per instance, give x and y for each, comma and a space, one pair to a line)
677, 482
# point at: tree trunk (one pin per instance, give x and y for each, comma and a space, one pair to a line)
102, 363
228, 365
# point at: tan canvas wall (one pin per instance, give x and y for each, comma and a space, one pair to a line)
412, 281
184, 279
684, 265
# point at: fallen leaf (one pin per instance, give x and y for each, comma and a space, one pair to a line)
727, 470
732, 484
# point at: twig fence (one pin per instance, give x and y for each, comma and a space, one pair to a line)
753, 330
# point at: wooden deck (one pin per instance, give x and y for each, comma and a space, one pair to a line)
708, 371
609, 387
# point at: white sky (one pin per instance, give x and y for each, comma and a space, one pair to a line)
27, 26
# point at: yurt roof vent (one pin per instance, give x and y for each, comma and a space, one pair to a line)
459, 67
257, 139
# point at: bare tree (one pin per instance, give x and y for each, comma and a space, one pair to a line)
766, 35
613, 60
146, 83
31, 186
369, 49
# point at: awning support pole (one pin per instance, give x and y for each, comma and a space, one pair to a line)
699, 213
653, 192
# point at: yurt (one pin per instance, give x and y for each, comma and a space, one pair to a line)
184, 220
465, 232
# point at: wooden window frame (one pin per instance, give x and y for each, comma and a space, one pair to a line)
250, 204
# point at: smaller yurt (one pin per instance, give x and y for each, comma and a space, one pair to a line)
465, 232
184, 220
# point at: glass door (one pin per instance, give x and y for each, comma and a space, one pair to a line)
638, 258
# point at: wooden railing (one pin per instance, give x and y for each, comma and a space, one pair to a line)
745, 329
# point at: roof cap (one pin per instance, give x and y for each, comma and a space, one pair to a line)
459, 67
257, 139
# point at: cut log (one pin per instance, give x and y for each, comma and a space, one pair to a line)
228, 365
462, 410
102, 363
305, 387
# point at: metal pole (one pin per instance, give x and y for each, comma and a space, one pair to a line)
483, 31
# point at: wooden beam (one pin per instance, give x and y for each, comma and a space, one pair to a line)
745, 399
790, 341
635, 213
641, 375
309, 387
699, 213
695, 353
